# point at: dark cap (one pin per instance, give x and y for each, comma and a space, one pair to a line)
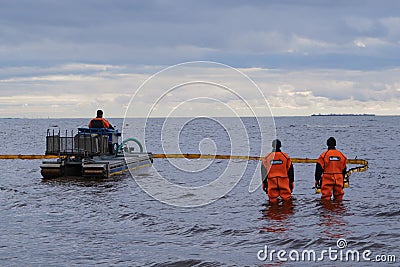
99, 113
331, 142
276, 144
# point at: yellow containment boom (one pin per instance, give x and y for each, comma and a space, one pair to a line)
362, 162
19, 156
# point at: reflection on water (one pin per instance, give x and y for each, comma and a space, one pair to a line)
115, 223
332, 216
277, 216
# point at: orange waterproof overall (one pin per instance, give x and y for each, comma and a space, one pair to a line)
106, 124
333, 162
277, 165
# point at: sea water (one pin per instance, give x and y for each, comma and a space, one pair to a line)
115, 223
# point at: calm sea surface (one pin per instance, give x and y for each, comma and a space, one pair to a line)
115, 223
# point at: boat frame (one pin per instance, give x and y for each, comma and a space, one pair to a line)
91, 153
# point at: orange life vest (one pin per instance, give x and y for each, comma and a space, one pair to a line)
332, 161
277, 165
106, 124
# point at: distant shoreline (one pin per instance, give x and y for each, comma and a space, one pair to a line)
342, 114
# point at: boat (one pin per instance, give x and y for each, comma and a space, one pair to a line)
92, 153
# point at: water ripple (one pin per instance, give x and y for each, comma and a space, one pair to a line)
68, 222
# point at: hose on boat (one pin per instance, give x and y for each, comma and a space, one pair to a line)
128, 140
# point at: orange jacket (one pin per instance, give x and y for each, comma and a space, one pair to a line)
280, 175
331, 161
277, 164
106, 124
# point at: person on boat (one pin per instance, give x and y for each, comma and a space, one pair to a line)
330, 171
278, 180
100, 122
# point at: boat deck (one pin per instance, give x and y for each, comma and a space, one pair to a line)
103, 166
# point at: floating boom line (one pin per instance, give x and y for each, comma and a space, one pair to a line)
20, 156
362, 162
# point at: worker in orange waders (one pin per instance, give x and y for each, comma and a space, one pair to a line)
330, 172
277, 174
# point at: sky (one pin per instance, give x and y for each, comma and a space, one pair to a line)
70, 58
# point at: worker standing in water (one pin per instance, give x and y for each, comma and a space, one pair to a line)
330, 172
100, 122
277, 174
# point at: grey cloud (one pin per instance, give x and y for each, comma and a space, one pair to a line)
85, 47
159, 32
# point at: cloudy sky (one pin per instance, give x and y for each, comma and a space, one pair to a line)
68, 58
